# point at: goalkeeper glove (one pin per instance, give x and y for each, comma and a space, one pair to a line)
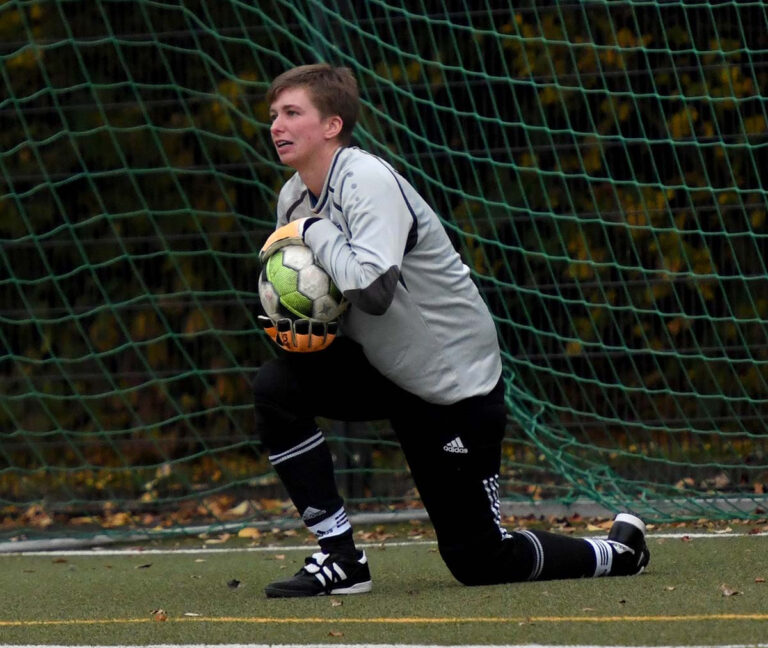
302, 335
290, 234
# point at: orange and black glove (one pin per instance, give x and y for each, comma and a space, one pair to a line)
301, 335
290, 234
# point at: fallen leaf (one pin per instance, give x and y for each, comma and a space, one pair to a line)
145, 566
159, 614
669, 588
336, 602
335, 633
759, 579
241, 510
726, 590
249, 532
233, 584
191, 614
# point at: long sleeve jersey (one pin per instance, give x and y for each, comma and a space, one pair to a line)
414, 308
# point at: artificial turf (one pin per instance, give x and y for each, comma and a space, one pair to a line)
700, 591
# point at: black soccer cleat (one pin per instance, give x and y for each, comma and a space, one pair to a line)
627, 539
324, 574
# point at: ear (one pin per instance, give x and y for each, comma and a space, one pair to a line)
333, 126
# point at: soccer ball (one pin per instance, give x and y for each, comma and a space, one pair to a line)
292, 285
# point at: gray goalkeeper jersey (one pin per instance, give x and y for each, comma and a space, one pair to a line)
413, 305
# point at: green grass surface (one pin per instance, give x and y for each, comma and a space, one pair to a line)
110, 599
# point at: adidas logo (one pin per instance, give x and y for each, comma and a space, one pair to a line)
310, 513
455, 446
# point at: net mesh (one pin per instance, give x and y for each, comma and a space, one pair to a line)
598, 164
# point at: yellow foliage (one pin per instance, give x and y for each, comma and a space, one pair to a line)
157, 355
626, 38
755, 125
248, 127
529, 31
144, 326
681, 123
573, 348
413, 71
624, 111
587, 59
527, 160
103, 333
196, 322
677, 325
580, 270
26, 59
226, 389
593, 159
230, 89
727, 197
613, 58
261, 111
549, 95
707, 290
701, 261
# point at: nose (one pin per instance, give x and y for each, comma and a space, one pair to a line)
276, 125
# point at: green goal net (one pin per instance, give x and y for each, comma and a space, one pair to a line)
600, 166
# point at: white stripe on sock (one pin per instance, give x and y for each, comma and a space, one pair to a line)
603, 556
538, 554
299, 449
331, 526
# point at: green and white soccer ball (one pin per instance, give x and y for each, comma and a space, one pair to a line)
292, 285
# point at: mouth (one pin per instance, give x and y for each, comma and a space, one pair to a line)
281, 144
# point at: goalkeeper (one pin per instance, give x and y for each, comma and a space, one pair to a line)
417, 346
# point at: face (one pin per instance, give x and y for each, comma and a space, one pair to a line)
298, 131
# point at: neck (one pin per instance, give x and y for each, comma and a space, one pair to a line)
313, 175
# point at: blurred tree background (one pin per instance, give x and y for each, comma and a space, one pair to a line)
600, 165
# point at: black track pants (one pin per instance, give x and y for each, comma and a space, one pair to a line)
453, 451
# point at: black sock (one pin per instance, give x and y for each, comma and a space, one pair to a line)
559, 556
306, 470
343, 543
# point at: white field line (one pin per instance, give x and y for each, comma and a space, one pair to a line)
135, 550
